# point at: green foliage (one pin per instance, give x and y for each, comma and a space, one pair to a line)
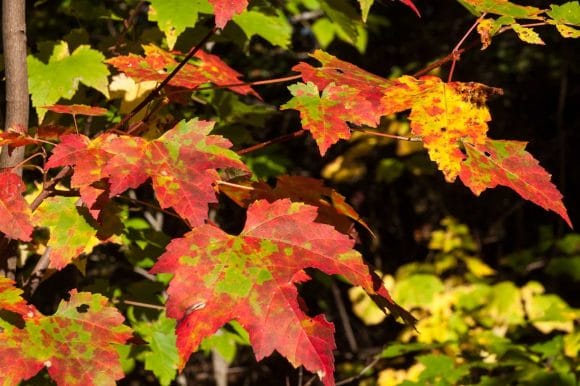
473, 328
60, 77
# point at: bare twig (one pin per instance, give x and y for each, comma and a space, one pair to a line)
47, 188
140, 304
262, 145
37, 272
393, 136
344, 319
455, 51
361, 374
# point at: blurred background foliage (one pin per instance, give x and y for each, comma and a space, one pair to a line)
492, 279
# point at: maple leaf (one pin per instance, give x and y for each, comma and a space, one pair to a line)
444, 116
15, 213
224, 10
174, 16
88, 158
76, 344
10, 297
181, 164
252, 277
157, 64
332, 206
72, 232
16, 139
507, 163
77, 109
369, 87
60, 77
325, 115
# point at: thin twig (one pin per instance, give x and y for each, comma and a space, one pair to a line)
140, 304
156, 92
393, 136
255, 83
344, 319
47, 188
36, 274
361, 374
455, 51
144, 203
262, 145
438, 63
21, 164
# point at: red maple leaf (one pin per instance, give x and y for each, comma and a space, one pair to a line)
224, 10
507, 163
77, 110
157, 64
181, 164
332, 206
76, 344
252, 278
14, 210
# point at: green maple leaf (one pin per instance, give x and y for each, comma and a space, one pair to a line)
72, 232
60, 77
252, 277
174, 16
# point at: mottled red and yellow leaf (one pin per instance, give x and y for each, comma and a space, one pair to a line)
445, 115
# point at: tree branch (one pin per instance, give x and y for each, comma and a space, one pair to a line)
14, 40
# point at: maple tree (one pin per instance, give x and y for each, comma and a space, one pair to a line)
171, 147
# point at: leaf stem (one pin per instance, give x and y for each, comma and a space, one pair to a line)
262, 145
156, 92
393, 136
140, 304
21, 164
256, 83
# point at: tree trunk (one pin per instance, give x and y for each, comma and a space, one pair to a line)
17, 103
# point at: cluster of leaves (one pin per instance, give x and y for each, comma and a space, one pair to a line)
475, 329
175, 159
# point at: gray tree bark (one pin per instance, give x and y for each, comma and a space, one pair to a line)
17, 103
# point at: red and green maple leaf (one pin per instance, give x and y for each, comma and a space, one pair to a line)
76, 344
507, 163
11, 297
15, 213
252, 278
332, 206
157, 64
325, 115
72, 230
181, 163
